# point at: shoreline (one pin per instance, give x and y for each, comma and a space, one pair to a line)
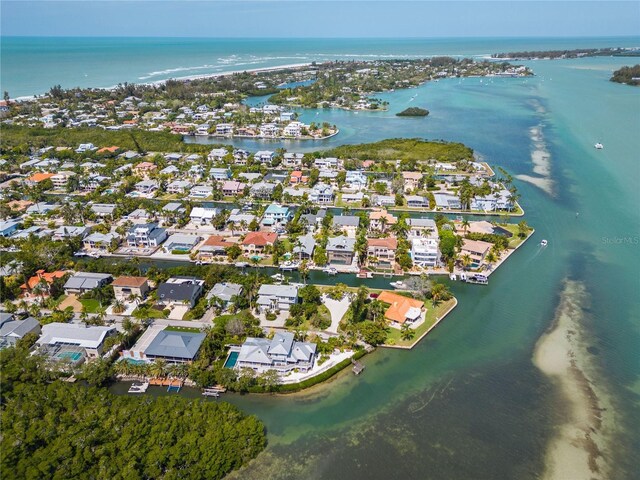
580, 446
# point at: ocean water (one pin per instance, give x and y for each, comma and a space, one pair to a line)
32, 65
467, 402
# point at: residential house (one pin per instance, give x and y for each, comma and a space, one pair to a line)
341, 250
100, 241
36, 178
356, 181
255, 242
125, 287
322, 194
411, 180
347, 223
85, 147
139, 215
73, 342
293, 129
225, 291
170, 171
421, 227
217, 154
401, 309
417, 201
381, 220
61, 179
203, 215
201, 191
276, 214
447, 201
264, 156
220, 174
38, 285
174, 347
181, 243
298, 178
231, 188
83, 282
236, 219
224, 129
146, 187
147, 235
262, 190
384, 200
240, 156
282, 354
180, 291
269, 130
8, 227
381, 252
292, 160
424, 250
477, 251
330, 163
179, 187
214, 246
41, 208
144, 169
304, 247
353, 197
66, 232
13, 329
277, 297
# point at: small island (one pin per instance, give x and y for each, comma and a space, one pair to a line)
566, 54
413, 112
627, 75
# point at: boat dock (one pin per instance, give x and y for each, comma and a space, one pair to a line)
172, 384
213, 391
358, 367
477, 280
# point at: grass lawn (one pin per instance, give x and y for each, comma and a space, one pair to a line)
182, 329
153, 313
513, 228
91, 305
394, 337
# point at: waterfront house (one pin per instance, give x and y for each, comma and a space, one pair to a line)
220, 174
255, 242
411, 180
83, 282
180, 243
346, 223
125, 287
262, 190
42, 280
353, 197
180, 291
232, 188
477, 251
225, 291
217, 154
293, 129
420, 227
282, 354
269, 130
304, 247
401, 309
381, 220
61, 179
292, 160
424, 250
13, 329
174, 346
276, 214
73, 342
277, 297
321, 194
417, 201
67, 232
383, 200
100, 241
341, 250
201, 191
214, 246
224, 129
203, 215
146, 235
381, 252
236, 219
330, 163
447, 201
264, 156
146, 187
179, 187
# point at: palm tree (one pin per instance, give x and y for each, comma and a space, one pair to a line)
465, 225
466, 261
158, 368
84, 316
24, 306
438, 292
490, 258
34, 310
118, 306
304, 271
101, 313
406, 332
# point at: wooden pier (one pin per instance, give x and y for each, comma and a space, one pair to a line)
358, 367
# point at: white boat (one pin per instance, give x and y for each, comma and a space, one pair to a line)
278, 277
544, 243
138, 387
289, 266
453, 277
330, 271
598, 146
399, 285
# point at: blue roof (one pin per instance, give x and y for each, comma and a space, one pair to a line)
277, 209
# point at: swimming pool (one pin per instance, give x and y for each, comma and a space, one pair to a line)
231, 360
74, 356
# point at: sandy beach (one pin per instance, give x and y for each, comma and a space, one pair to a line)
579, 449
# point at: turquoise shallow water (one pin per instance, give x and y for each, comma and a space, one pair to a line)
32, 65
468, 402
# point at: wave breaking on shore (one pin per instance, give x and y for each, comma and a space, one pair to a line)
580, 447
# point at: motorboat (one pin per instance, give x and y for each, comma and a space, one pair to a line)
365, 274
544, 243
278, 277
399, 285
330, 271
598, 146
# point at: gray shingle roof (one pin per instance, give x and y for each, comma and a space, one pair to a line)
86, 280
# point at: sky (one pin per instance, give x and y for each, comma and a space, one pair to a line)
323, 18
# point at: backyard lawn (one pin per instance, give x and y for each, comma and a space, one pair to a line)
395, 339
91, 305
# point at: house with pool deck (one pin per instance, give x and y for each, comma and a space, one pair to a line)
281, 353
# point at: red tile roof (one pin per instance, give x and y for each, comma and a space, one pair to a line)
260, 239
